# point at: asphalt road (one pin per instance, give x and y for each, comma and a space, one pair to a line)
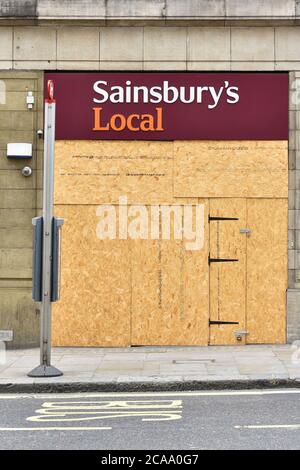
257, 419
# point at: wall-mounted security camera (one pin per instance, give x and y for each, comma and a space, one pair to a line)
40, 133
19, 150
26, 171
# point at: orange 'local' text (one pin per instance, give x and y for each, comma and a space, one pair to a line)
133, 122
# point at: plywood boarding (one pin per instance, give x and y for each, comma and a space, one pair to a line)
230, 169
170, 292
266, 270
143, 171
94, 172
122, 292
227, 279
94, 309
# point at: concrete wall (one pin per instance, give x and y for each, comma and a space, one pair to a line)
163, 10
72, 47
128, 35
293, 295
18, 204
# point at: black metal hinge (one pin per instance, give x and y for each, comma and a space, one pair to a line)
221, 218
217, 322
221, 260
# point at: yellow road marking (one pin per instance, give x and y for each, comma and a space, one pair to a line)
269, 426
64, 417
150, 394
151, 410
114, 404
56, 428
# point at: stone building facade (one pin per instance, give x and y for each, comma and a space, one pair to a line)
123, 35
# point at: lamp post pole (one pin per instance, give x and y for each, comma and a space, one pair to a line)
45, 369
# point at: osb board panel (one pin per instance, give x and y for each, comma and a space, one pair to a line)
94, 309
170, 292
94, 172
122, 292
227, 279
266, 270
231, 169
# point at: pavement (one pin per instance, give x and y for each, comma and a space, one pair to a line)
154, 368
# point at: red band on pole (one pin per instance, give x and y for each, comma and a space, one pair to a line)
50, 91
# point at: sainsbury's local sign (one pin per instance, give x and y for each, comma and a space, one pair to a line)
171, 106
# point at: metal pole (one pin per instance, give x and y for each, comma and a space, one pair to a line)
47, 232
45, 369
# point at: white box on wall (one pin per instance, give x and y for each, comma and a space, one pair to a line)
19, 150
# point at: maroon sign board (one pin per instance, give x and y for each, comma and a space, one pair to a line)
170, 106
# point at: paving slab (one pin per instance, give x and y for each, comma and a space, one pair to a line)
151, 368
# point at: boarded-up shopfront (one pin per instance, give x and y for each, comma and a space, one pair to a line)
207, 156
